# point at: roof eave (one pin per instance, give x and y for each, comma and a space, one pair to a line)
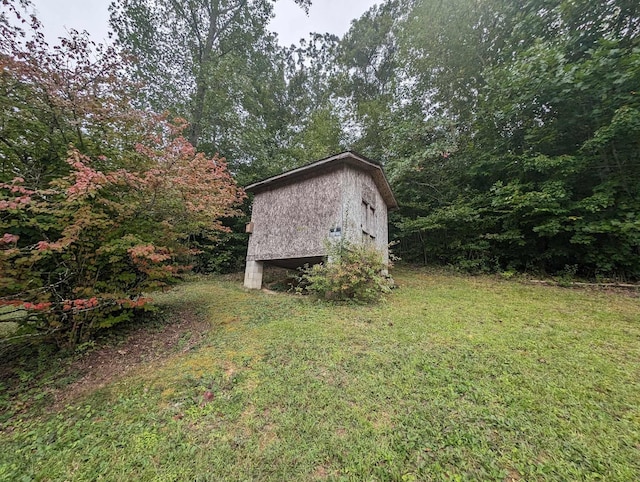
374, 169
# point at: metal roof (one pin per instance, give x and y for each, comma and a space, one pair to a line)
348, 157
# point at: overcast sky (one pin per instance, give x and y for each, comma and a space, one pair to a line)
291, 23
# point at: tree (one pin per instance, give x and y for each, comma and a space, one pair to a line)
99, 202
204, 59
370, 75
528, 188
561, 157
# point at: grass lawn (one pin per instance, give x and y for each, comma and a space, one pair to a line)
453, 378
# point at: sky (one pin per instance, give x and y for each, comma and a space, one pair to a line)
291, 23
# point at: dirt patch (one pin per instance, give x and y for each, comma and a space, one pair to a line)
513, 476
341, 432
142, 346
268, 437
320, 473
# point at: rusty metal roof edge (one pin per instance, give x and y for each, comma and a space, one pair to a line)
344, 157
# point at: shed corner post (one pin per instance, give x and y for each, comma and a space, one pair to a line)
253, 275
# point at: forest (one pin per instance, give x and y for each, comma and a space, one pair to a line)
509, 131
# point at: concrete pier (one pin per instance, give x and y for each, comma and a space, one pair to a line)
253, 275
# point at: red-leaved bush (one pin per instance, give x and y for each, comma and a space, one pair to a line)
99, 201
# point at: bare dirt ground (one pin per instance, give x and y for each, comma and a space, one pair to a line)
140, 347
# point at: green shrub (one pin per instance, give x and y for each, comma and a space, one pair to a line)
353, 272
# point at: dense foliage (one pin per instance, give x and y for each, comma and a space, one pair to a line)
214, 63
99, 202
539, 168
509, 129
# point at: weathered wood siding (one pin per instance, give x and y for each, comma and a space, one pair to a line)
294, 220
359, 190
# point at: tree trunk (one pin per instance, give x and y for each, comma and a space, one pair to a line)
201, 83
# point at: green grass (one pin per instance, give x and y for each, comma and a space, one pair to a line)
454, 378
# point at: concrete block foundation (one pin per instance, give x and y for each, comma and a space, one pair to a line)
253, 275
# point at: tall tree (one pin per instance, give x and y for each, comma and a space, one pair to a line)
369, 76
316, 124
203, 59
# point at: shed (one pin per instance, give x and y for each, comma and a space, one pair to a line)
294, 213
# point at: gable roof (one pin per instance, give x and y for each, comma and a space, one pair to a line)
349, 158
